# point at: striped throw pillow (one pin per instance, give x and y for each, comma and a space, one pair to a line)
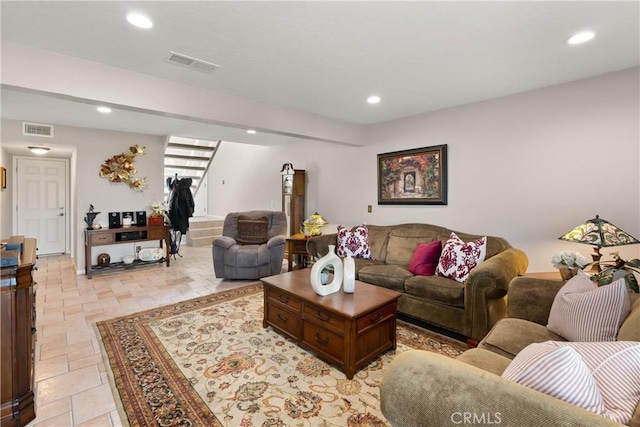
581, 311
601, 377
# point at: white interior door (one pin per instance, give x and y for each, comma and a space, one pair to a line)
41, 196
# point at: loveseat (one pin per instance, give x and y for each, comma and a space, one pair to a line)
470, 308
426, 389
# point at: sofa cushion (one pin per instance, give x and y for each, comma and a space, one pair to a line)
581, 311
353, 243
378, 237
252, 231
425, 258
459, 258
630, 329
387, 276
485, 360
509, 336
601, 377
441, 289
403, 241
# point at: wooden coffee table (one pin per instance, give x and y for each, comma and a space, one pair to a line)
348, 330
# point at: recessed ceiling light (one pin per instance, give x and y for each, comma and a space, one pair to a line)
139, 20
251, 131
104, 109
581, 37
373, 99
39, 150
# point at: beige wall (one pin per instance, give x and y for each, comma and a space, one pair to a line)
6, 196
91, 148
527, 167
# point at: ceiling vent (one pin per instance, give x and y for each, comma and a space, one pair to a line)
190, 62
37, 129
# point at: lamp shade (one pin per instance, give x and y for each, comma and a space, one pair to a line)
314, 223
600, 233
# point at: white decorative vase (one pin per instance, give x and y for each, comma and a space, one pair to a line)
330, 259
349, 275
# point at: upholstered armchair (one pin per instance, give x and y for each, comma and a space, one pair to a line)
251, 245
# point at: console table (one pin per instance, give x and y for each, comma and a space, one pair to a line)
18, 339
114, 236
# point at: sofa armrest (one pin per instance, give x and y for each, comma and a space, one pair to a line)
427, 389
531, 298
224, 242
276, 240
485, 290
318, 246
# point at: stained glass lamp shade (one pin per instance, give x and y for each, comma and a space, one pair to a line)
599, 233
314, 223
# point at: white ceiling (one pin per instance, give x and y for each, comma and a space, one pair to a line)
324, 58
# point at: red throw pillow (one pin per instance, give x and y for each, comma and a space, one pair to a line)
425, 258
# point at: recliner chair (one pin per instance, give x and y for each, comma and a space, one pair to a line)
251, 245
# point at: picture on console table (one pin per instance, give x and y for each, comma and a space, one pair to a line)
413, 177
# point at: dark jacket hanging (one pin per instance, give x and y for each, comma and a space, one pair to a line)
181, 205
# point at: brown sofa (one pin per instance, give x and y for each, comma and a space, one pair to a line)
421, 388
469, 308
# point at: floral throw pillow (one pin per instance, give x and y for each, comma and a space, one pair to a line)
353, 243
458, 258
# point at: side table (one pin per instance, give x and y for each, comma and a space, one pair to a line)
297, 246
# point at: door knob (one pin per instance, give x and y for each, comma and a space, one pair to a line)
61, 214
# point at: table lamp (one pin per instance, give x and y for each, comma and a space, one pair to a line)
600, 234
314, 223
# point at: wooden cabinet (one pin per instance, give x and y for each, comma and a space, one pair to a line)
113, 236
18, 339
294, 199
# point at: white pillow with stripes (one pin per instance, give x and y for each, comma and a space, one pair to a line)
582, 311
601, 377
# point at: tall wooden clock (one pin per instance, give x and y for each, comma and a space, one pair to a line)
293, 199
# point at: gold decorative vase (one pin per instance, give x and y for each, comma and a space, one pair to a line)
567, 273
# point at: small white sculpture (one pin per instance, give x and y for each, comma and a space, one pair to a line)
330, 259
349, 280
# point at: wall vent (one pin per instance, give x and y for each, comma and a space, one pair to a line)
37, 129
190, 62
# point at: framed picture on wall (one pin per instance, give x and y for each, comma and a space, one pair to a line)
413, 177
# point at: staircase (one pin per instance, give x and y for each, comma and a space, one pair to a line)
188, 158
191, 158
202, 230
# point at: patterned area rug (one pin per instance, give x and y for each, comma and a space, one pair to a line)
209, 362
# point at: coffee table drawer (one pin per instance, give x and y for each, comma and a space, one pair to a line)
375, 317
284, 298
284, 320
322, 316
323, 341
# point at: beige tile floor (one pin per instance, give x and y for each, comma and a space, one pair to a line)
72, 388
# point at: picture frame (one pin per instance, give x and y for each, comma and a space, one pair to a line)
3, 178
413, 177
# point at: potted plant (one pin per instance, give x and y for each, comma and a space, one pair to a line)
616, 269
568, 263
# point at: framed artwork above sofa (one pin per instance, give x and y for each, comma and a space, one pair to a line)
413, 177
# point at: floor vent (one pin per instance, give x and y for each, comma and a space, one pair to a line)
190, 62
37, 129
